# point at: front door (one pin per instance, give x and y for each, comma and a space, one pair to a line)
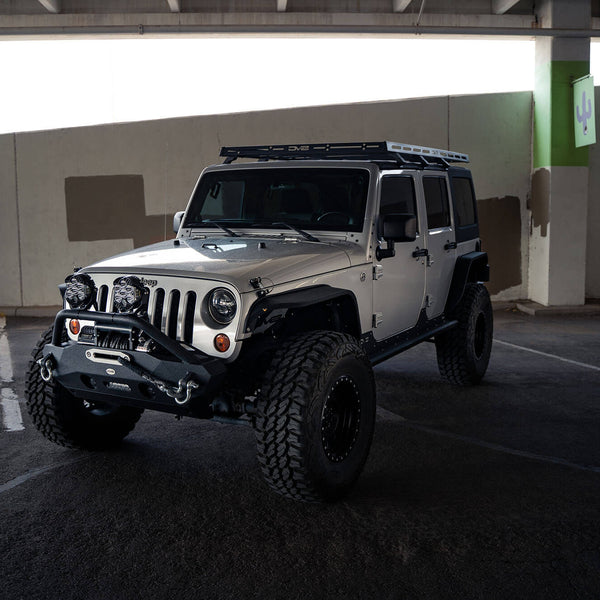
399, 281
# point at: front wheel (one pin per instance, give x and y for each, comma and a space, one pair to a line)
463, 353
315, 417
70, 421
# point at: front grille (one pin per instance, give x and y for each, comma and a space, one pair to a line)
173, 311
102, 297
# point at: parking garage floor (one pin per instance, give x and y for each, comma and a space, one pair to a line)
486, 492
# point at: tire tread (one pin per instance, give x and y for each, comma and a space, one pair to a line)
48, 405
452, 356
283, 405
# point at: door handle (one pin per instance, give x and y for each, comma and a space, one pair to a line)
420, 252
450, 246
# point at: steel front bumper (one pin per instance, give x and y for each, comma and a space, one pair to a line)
179, 381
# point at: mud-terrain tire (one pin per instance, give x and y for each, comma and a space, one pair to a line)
315, 417
463, 353
69, 421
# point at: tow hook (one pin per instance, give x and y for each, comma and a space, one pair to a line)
181, 394
47, 367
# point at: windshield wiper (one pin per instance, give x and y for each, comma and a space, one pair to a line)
305, 234
222, 227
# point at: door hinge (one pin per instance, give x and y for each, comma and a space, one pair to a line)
377, 319
377, 272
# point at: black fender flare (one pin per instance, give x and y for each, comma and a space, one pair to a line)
270, 308
469, 268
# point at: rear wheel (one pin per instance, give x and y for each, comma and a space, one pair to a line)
70, 421
315, 417
463, 353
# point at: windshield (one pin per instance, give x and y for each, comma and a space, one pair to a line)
326, 199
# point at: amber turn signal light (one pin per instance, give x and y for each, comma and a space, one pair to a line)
74, 326
222, 342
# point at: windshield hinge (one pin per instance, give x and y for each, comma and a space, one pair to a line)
261, 290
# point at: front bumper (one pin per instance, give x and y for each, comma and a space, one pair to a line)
132, 377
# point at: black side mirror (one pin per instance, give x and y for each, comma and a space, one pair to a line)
399, 228
177, 217
396, 228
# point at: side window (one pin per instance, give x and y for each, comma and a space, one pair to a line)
464, 201
398, 195
436, 202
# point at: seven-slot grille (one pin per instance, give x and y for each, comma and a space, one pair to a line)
170, 310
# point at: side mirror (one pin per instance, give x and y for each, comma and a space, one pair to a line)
177, 220
399, 228
396, 228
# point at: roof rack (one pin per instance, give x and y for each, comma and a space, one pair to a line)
402, 154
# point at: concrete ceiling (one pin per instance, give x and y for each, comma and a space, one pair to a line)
399, 17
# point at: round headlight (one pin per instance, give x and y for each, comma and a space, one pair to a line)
80, 292
222, 306
128, 294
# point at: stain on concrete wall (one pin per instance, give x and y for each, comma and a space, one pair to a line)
500, 232
540, 200
111, 207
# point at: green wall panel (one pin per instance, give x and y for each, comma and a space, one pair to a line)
553, 134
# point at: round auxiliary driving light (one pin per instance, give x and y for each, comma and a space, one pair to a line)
128, 294
222, 305
81, 291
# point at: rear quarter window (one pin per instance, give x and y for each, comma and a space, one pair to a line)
464, 201
465, 208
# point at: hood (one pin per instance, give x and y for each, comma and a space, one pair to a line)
232, 260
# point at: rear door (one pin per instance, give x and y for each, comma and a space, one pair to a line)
440, 242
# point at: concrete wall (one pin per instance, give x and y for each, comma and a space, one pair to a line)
70, 197
495, 130
10, 270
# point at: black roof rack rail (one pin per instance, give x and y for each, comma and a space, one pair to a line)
407, 155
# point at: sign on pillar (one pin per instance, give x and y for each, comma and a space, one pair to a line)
585, 114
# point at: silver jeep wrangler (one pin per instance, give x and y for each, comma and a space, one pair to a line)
289, 278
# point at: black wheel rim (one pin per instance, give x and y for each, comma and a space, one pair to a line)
340, 420
479, 339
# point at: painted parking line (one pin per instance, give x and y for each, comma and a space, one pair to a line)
545, 354
11, 411
6, 370
13, 483
12, 419
504, 449
386, 415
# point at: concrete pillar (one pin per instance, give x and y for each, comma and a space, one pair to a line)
559, 189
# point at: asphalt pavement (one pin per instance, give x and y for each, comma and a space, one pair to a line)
486, 492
